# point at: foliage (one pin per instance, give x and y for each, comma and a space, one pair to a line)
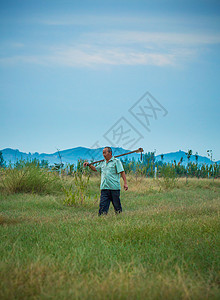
70, 169
29, 177
167, 176
189, 154
37, 177
2, 162
81, 170
146, 167
57, 167
77, 195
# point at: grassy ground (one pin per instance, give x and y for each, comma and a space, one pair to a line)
165, 245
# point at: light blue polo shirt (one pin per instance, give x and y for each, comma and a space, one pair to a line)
110, 174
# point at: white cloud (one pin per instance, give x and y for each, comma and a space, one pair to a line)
144, 21
115, 56
153, 38
120, 48
88, 20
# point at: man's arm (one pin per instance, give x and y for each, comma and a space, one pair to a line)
91, 166
125, 180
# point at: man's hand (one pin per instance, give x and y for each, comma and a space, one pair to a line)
125, 187
125, 180
85, 164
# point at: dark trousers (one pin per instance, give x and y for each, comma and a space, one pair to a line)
108, 196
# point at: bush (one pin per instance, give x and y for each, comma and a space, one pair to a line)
79, 194
2, 162
29, 177
168, 177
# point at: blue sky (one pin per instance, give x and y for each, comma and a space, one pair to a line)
71, 72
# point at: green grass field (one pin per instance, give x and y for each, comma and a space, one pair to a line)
165, 244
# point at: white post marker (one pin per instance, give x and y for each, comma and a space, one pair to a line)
155, 173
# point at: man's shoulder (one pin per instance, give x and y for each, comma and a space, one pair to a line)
101, 163
117, 160
114, 158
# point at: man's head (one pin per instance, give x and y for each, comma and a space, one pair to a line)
107, 153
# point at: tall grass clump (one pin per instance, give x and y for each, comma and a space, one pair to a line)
29, 177
167, 178
78, 193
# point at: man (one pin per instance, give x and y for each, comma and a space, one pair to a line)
111, 168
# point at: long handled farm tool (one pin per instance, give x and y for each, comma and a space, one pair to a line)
139, 150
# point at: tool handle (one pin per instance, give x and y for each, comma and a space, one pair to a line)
135, 151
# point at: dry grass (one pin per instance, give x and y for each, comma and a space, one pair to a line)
5, 220
147, 185
43, 281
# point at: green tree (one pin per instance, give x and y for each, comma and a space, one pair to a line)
2, 162
196, 157
149, 163
188, 154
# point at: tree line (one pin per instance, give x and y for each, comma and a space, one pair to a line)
147, 167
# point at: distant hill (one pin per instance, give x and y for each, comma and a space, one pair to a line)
73, 155
170, 157
67, 156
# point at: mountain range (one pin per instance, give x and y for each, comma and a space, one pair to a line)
71, 156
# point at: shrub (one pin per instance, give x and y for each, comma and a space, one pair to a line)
77, 195
168, 177
29, 177
2, 162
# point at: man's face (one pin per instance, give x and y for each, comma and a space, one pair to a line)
107, 155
